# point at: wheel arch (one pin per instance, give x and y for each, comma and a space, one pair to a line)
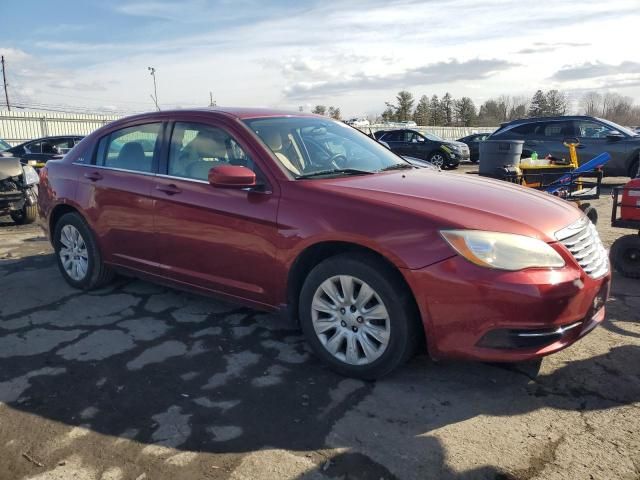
313, 254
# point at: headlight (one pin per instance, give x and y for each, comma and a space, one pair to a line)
30, 175
503, 251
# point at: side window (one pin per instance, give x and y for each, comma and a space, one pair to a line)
588, 129
526, 129
35, 147
394, 137
197, 148
131, 148
557, 130
413, 137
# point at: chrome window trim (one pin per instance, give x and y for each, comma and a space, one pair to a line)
187, 179
115, 169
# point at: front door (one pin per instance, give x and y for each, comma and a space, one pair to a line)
221, 239
116, 186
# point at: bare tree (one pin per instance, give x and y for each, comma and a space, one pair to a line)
334, 112
591, 104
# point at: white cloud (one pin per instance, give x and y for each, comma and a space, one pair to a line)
353, 54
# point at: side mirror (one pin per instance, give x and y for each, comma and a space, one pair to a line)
614, 135
232, 176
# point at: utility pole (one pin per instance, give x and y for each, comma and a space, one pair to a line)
4, 81
154, 97
212, 102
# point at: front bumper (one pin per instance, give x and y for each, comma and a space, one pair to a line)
476, 313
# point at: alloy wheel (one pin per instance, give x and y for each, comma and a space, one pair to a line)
437, 159
73, 253
350, 320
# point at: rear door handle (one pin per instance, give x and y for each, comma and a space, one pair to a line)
93, 176
170, 189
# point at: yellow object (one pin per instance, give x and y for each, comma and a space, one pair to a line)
573, 155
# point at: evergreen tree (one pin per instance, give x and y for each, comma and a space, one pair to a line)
435, 111
446, 105
538, 107
405, 105
421, 114
465, 111
556, 102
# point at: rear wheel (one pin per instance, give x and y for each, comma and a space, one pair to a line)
77, 254
28, 214
357, 317
625, 255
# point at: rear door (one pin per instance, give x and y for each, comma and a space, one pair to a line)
221, 239
397, 142
116, 186
552, 135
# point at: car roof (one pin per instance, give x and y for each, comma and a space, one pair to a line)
241, 113
548, 119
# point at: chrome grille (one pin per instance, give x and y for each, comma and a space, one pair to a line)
582, 240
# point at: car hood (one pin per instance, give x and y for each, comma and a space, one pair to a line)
449, 200
456, 143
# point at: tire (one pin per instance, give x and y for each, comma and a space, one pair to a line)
96, 273
28, 214
439, 159
625, 255
634, 171
591, 212
402, 330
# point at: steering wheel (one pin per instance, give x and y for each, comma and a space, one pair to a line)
338, 160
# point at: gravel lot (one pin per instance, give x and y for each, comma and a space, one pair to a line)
138, 381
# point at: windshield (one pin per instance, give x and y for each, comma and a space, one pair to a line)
308, 145
4, 145
619, 128
432, 137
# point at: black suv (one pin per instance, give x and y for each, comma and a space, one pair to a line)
546, 135
42, 149
440, 152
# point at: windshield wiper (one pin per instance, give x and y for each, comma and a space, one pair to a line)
337, 171
397, 166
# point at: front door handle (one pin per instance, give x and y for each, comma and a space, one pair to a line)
93, 176
170, 189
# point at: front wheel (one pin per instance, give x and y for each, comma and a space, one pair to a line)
77, 254
439, 159
28, 214
358, 317
625, 255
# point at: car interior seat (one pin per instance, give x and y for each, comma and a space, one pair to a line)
273, 139
132, 157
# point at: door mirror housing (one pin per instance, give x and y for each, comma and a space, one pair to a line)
232, 176
614, 136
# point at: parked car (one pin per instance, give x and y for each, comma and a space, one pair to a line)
546, 135
436, 150
18, 190
473, 142
303, 215
4, 145
408, 123
358, 122
40, 150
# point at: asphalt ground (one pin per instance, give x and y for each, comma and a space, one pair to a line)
138, 381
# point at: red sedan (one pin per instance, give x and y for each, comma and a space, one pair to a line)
304, 215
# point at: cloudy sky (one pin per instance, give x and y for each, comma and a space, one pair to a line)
354, 54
